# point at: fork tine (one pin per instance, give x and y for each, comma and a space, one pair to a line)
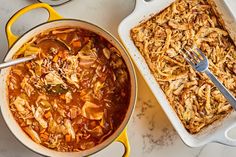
190, 56
201, 53
190, 62
196, 55
187, 57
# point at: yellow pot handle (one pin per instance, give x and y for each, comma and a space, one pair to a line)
53, 15
123, 138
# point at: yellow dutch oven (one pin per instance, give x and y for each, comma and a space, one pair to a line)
54, 21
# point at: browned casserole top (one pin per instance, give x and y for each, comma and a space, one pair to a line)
74, 95
192, 95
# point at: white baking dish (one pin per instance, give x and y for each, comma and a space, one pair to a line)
218, 131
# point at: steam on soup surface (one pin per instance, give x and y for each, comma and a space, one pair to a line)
74, 95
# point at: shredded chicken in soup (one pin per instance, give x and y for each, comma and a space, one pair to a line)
74, 95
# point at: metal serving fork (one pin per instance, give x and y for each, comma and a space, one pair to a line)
199, 62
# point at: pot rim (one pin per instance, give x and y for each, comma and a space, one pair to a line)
132, 74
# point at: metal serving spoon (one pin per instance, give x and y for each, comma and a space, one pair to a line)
16, 61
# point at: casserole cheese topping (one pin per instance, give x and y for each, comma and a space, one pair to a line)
192, 95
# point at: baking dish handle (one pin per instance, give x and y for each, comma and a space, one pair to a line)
53, 15
223, 137
139, 4
123, 138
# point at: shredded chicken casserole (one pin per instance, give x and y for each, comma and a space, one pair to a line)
74, 95
192, 95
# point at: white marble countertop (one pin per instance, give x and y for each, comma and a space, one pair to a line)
150, 132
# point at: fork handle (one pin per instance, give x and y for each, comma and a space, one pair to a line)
231, 99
